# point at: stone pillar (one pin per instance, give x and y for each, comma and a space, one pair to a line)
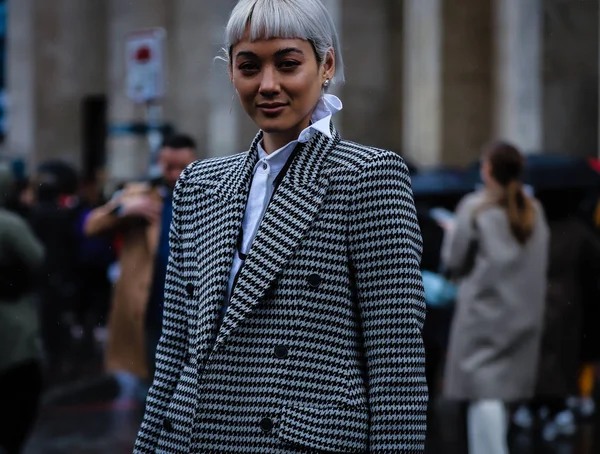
467, 80
128, 155
224, 137
21, 138
518, 73
56, 57
368, 91
198, 85
570, 77
422, 95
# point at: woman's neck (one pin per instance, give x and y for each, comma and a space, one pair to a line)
273, 141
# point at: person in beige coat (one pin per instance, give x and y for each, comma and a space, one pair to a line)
498, 247
141, 215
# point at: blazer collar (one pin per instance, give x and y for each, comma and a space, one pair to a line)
303, 172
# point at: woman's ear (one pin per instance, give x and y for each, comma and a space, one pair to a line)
329, 65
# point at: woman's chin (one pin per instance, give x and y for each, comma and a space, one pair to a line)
273, 127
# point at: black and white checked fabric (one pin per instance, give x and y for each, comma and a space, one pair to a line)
321, 348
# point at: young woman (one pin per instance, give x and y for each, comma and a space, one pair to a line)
294, 302
499, 247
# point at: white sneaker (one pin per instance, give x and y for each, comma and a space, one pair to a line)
523, 418
563, 425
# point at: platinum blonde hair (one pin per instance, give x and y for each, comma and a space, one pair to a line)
292, 19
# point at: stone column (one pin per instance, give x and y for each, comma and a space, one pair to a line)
570, 77
467, 80
368, 91
226, 113
21, 140
518, 73
422, 95
56, 57
197, 83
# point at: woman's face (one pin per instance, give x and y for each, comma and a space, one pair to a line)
279, 83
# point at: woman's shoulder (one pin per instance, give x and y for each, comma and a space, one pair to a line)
354, 157
474, 200
211, 168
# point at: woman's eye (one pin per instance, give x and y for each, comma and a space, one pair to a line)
247, 67
289, 64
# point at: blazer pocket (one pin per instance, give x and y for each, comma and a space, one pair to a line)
326, 428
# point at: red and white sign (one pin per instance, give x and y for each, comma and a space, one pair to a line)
144, 51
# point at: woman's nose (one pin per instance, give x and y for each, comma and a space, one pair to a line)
269, 83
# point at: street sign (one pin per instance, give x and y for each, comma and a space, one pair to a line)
144, 51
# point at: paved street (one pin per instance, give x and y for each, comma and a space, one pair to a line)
101, 416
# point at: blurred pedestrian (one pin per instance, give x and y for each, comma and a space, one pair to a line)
141, 215
21, 256
498, 248
574, 258
94, 257
294, 301
52, 219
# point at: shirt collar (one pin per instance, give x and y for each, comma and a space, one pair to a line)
327, 106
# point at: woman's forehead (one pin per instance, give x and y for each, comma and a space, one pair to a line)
271, 46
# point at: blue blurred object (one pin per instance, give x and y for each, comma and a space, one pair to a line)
442, 181
439, 291
19, 169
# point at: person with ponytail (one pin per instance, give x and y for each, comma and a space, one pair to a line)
497, 249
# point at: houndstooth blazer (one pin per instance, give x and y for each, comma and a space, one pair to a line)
320, 349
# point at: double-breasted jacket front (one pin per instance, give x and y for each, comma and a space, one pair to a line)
320, 349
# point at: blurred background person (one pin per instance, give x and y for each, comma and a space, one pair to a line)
52, 218
21, 256
141, 215
574, 258
94, 256
497, 247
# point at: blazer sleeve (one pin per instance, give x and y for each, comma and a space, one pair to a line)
385, 253
170, 354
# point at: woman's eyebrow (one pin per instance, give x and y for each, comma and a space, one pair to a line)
245, 53
288, 50
279, 53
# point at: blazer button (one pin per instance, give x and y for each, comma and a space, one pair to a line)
266, 424
314, 280
189, 288
281, 352
167, 425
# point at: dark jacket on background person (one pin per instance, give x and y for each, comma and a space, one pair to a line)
21, 255
574, 252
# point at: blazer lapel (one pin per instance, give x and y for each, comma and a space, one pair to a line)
218, 215
292, 210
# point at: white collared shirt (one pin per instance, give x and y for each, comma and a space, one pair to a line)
265, 172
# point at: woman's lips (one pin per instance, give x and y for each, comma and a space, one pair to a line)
271, 109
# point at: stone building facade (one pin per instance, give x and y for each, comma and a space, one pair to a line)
430, 79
